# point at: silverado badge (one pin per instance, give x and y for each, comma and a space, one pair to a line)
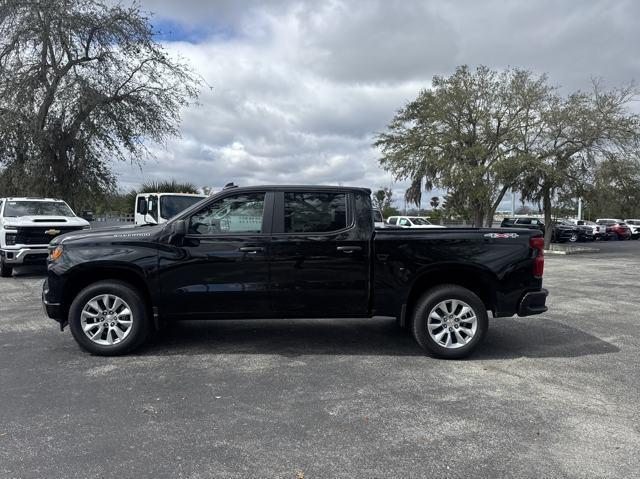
52, 232
501, 235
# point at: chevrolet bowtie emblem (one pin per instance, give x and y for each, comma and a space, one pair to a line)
52, 232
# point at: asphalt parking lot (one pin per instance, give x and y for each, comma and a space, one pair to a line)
552, 396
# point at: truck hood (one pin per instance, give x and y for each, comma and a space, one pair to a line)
45, 221
110, 234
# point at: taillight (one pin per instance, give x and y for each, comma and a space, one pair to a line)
537, 244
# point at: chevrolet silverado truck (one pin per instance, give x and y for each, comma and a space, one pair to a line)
291, 252
27, 225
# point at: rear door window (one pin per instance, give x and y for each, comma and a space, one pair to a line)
311, 212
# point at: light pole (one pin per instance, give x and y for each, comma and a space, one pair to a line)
579, 208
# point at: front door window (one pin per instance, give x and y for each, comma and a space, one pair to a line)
239, 214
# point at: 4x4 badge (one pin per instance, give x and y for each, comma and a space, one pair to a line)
501, 235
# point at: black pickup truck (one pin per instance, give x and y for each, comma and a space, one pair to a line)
291, 252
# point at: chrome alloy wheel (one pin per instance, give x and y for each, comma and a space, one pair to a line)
106, 319
452, 323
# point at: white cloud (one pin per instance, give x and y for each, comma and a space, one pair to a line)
301, 88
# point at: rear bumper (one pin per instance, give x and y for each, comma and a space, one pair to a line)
533, 303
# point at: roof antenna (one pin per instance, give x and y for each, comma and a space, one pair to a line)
229, 185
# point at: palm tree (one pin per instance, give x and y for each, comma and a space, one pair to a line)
162, 186
167, 186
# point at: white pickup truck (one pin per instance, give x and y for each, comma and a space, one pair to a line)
158, 208
27, 225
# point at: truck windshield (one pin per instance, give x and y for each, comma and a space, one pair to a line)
171, 205
36, 208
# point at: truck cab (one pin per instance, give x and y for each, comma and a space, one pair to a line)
158, 208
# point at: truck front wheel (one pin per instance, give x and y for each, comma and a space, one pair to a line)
449, 321
5, 269
109, 318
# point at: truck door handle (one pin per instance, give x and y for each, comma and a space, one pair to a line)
251, 249
349, 249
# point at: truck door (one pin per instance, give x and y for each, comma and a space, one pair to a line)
221, 269
319, 255
141, 209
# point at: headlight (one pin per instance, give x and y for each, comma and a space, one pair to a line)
10, 228
55, 253
10, 238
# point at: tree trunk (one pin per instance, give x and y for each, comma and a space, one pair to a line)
478, 217
494, 206
548, 225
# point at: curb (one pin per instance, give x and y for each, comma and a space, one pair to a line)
570, 250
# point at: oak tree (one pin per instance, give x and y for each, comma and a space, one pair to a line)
82, 83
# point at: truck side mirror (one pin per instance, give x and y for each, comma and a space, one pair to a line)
179, 228
142, 205
177, 232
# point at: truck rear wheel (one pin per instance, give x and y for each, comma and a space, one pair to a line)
5, 270
109, 318
449, 321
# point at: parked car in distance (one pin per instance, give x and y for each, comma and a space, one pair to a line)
87, 215
634, 226
597, 231
561, 232
291, 252
585, 232
528, 223
411, 222
27, 225
378, 220
616, 228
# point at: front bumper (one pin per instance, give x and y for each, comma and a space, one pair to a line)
52, 309
31, 255
533, 303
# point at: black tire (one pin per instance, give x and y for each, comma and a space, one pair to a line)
139, 325
428, 301
5, 270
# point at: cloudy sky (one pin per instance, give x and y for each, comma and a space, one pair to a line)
299, 89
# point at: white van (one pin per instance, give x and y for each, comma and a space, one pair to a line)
157, 208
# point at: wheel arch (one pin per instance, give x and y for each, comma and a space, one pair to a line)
479, 281
84, 276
